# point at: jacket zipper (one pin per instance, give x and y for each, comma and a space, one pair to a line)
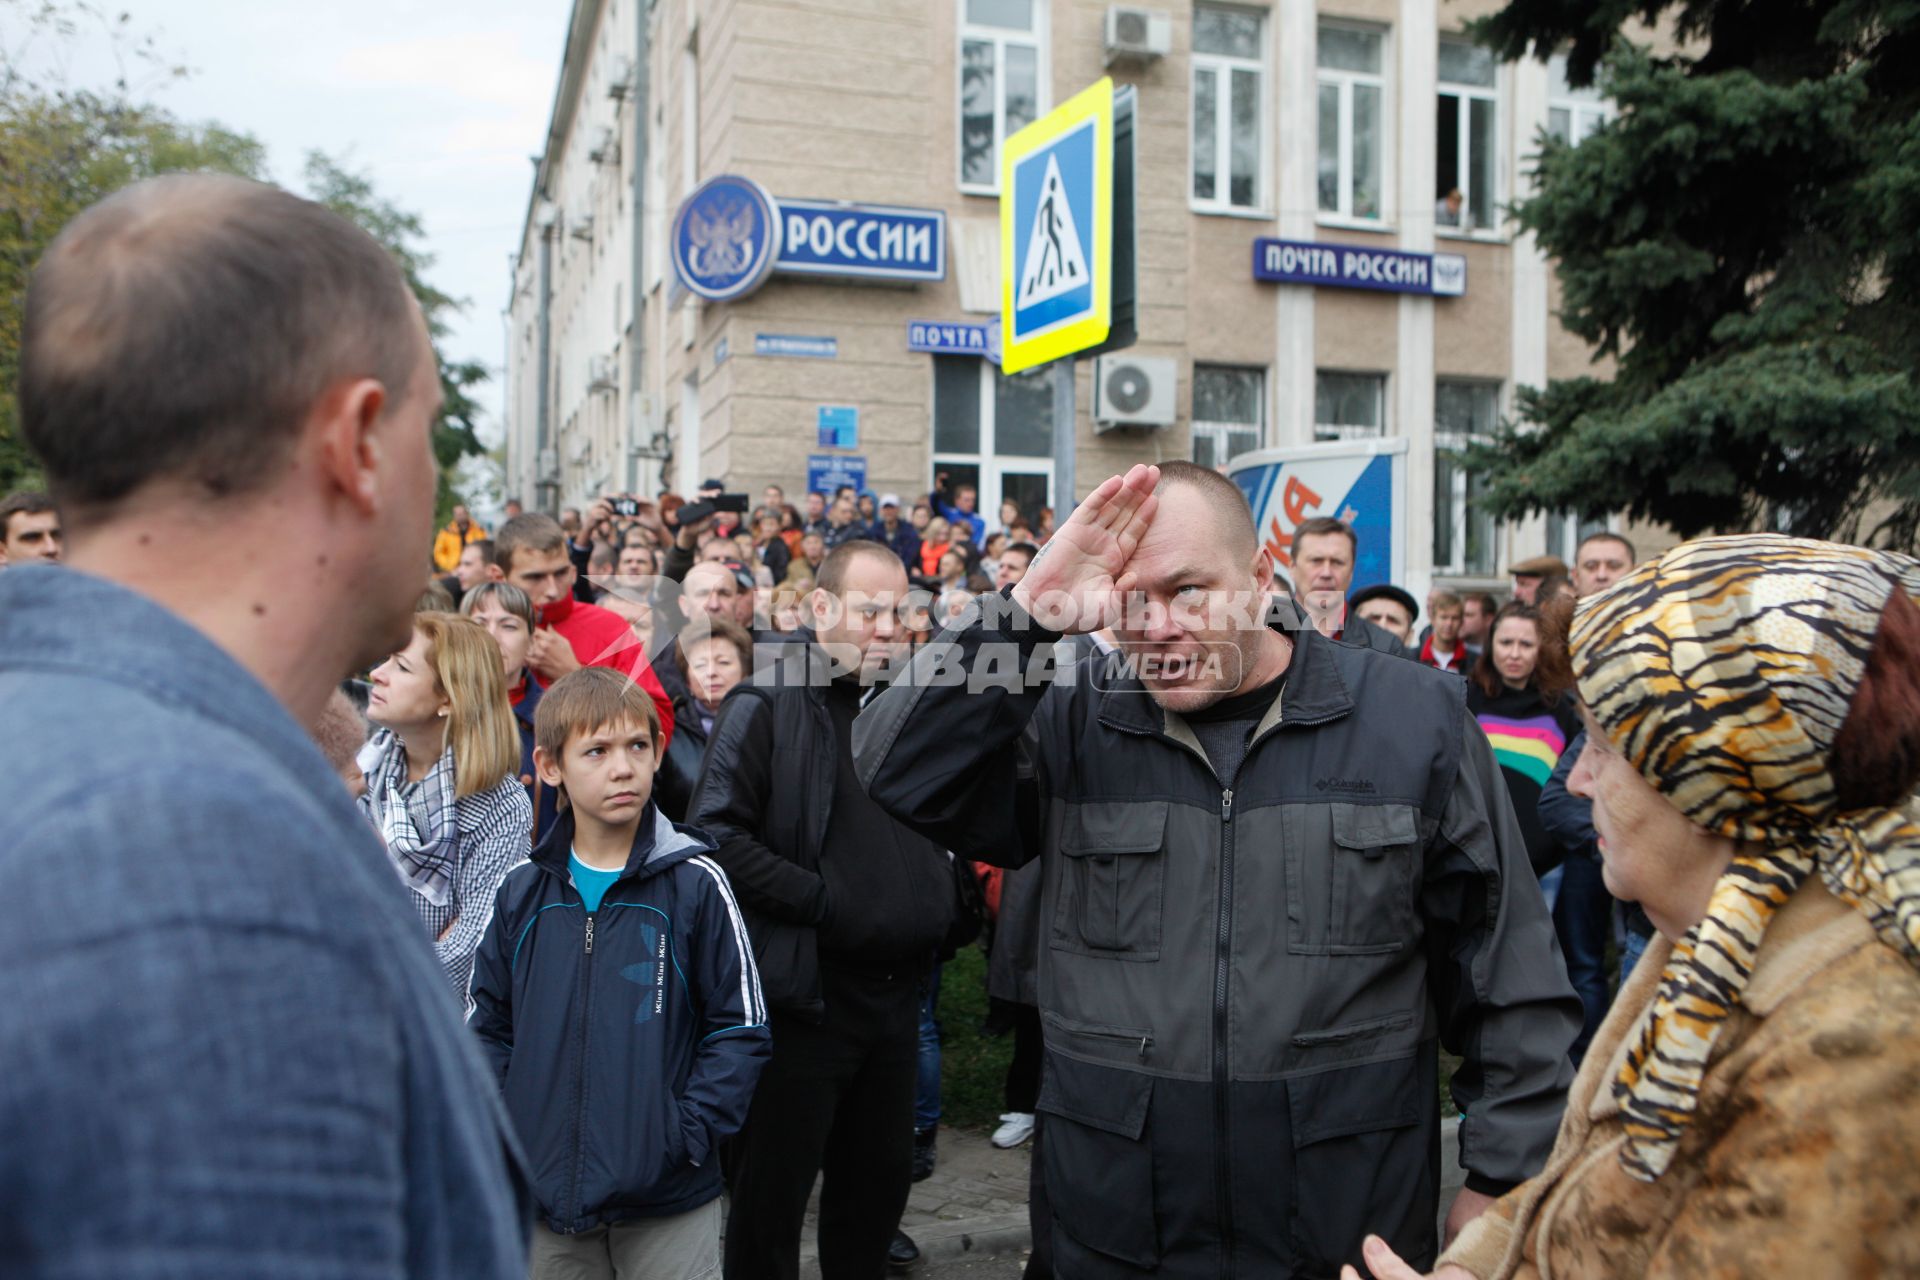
1222, 1080
580, 1078
1125, 1037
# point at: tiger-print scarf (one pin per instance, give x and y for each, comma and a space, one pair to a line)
1723, 672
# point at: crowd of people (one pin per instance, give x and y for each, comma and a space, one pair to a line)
501, 918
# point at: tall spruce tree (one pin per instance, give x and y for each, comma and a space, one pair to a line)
1743, 240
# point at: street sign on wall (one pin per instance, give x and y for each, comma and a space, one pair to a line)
828, 471
1056, 231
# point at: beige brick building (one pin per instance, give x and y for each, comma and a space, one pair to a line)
1349, 122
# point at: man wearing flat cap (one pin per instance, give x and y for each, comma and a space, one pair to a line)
1529, 574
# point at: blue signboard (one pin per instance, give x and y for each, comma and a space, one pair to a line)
1345, 266
794, 344
725, 238
941, 339
824, 238
828, 471
839, 426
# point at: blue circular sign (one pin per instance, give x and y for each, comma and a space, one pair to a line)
725, 238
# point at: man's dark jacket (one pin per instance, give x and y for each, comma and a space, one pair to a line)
765, 795
1243, 987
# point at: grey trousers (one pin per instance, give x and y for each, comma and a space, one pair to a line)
684, 1247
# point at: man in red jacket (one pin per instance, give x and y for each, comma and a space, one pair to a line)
531, 553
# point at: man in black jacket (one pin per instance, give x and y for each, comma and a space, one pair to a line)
1324, 550
846, 907
1278, 872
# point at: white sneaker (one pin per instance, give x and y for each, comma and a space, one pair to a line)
1015, 1128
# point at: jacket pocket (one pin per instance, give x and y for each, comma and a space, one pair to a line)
1352, 874
1098, 1165
1360, 1160
1113, 879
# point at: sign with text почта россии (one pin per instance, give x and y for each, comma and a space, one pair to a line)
1345, 266
878, 242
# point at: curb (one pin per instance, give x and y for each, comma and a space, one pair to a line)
989, 1235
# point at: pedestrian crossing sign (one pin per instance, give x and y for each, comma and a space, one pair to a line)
1056, 232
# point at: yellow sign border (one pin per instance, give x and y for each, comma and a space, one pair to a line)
1093, 103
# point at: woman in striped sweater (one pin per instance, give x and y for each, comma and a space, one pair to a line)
1519, 692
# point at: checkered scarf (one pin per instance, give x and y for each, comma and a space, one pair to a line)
418, 820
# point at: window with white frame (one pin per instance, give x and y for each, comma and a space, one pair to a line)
1349, 406
1566, 530
1000, 83
1353, 132
993, 431
1467, 141
1573, 113
1463, 531
1227, 412
1229, 79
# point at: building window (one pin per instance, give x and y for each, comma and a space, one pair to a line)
1572, 114
1353, 94
1566, 530
1228, 91
1463, 532
994, 431
1227, 414
1000, 62
1349, 406
1466, 148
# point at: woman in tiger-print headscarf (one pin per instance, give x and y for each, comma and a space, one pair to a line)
1751, 1105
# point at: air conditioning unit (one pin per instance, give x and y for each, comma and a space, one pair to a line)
581, 228
600, 376
548, 464
1133, 391
620, 78
603, 146
1137, 35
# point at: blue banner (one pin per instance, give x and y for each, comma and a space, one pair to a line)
880, 242
1345, 266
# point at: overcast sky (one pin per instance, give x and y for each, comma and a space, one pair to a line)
441, 102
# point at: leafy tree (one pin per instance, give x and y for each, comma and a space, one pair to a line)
352, 195
1744, 241
62, 150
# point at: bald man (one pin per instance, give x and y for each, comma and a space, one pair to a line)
1280, 871
226, 1047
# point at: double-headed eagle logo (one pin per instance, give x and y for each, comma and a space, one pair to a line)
722, 244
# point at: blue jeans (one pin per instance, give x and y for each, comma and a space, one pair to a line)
926, 1094
1583, 917
1630, 953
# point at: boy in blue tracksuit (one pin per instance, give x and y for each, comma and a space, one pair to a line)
615, 994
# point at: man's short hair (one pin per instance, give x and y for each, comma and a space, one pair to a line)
589, 699
713, 627
1321, 526
833, 570
1442, 600
24, 502
185, 327
1026, 549
531, 531
1605, 535
602, 558
1224, 497
1488, 605
484, 546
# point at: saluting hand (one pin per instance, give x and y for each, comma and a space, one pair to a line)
1076, 583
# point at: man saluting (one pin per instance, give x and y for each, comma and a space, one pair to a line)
1279, 872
